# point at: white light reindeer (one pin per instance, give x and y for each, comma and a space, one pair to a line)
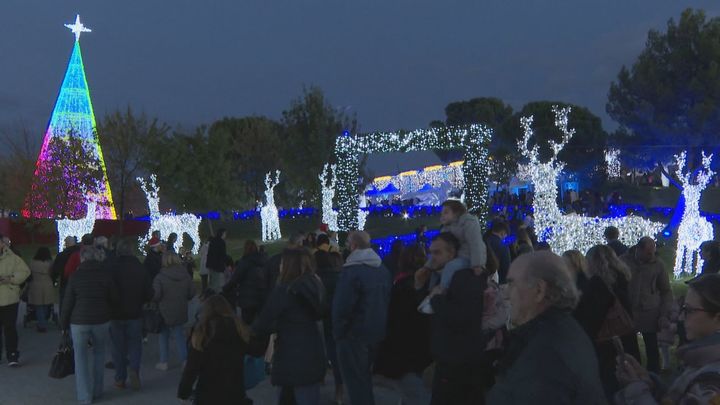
77, 227
169, 223
327, 186
693, 229
566, 232
269, 212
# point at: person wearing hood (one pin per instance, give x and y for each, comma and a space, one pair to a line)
292, 311
699, 382
246, 287
173, 289
218, 345
710, 253
359, 316
13, 272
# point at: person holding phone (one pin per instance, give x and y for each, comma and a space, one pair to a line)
699, 382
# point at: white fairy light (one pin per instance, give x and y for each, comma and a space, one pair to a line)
567, 232
269, 212
327, 186
168, 223
361, 213
77, 227
77, 28
473, 140
693, 229
413, 180
612, 160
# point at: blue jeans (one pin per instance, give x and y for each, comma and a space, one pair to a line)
41, 313
126, 338
304, 394
89, 386
356, 359
178, 334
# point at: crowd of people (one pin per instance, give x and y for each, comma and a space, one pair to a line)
466, 318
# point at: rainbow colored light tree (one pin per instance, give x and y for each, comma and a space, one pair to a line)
72, 117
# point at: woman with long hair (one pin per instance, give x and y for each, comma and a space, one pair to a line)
607, 286
41, 293
578, 265
246, 288
218, 345
292, 312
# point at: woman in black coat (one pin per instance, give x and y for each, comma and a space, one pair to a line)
218, 346
609, 278
246, 288
292, 311
406, 348
329, 265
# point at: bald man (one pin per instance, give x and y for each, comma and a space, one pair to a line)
550, 359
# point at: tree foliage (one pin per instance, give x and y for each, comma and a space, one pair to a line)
123, 136
585, 151
311, 125
669, 99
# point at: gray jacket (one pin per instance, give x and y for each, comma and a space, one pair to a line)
173, 289
650, 295
472, 247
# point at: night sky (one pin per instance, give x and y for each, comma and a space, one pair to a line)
394, 63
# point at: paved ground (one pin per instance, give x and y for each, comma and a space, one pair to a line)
30, 384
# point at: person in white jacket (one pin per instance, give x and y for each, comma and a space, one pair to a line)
203, 264
13, 272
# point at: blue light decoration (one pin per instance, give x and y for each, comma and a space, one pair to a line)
72, 116
383, 244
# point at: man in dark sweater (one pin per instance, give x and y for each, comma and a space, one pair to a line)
126, 327
457, 340
612, 236
495, 241
550, 359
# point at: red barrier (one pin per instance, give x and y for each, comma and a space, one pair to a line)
23, 231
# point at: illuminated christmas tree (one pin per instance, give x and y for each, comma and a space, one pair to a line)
70, 164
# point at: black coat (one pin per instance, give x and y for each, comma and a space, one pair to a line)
153, 264
217, 254
133, 287
457, 335
618, 247
271, 271
406, 348
89, 295
218, 369
595, 302
247, 285
58, 266
549, 360
293, 311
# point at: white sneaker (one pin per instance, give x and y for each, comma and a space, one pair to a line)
162, 366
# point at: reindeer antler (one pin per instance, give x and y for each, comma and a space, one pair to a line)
704, 176
680, 162
561, 121
532, 154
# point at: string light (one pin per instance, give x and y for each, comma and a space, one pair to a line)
327, 186
473, 140
362, 213
567, 232
693, 229
77, 227
612, 160
72, 116
269, 212
168, 223
414, 180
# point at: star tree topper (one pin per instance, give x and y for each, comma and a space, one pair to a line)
78, 28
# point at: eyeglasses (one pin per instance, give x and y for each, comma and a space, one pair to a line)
686, 309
